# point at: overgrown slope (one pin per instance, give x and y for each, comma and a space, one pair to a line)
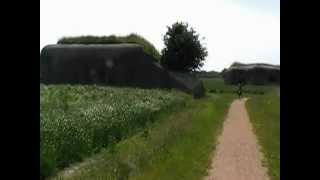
177, 146
77, 121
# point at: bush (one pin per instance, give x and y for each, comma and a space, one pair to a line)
132, 38
213, 91
183, 50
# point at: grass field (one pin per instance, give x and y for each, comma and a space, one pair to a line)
176, 146
264, 112
216, 85
78, 121
124, 133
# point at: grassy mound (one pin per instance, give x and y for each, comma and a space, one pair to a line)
132, 38
78, 121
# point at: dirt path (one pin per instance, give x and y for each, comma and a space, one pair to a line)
237, 156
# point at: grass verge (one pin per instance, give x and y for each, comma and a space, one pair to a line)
264, 112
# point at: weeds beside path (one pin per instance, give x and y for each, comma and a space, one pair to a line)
264, 114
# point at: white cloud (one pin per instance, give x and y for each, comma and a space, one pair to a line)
232, 32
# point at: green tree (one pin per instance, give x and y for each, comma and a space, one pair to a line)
183, 50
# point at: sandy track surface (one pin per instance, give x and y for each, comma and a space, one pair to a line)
237, 156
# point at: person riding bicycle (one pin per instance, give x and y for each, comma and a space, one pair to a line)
239, 91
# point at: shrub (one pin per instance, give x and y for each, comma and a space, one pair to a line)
183, 50
213, 91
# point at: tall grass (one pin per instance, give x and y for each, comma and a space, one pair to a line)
177, 146
264, 114
78, 121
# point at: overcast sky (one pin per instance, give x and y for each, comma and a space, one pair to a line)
246, 31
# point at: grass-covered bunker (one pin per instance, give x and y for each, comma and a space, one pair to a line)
110, 64
257, 74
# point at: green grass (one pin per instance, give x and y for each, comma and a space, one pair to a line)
217, 86
264, 112
78, 121
177, 146
148, 47
175, 136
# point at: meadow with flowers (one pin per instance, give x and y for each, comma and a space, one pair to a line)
94, 132
78, 121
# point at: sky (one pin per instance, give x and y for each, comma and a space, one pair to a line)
246, 31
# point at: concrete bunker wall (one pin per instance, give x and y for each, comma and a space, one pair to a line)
115, 65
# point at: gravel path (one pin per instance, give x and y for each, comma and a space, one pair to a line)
237, 156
